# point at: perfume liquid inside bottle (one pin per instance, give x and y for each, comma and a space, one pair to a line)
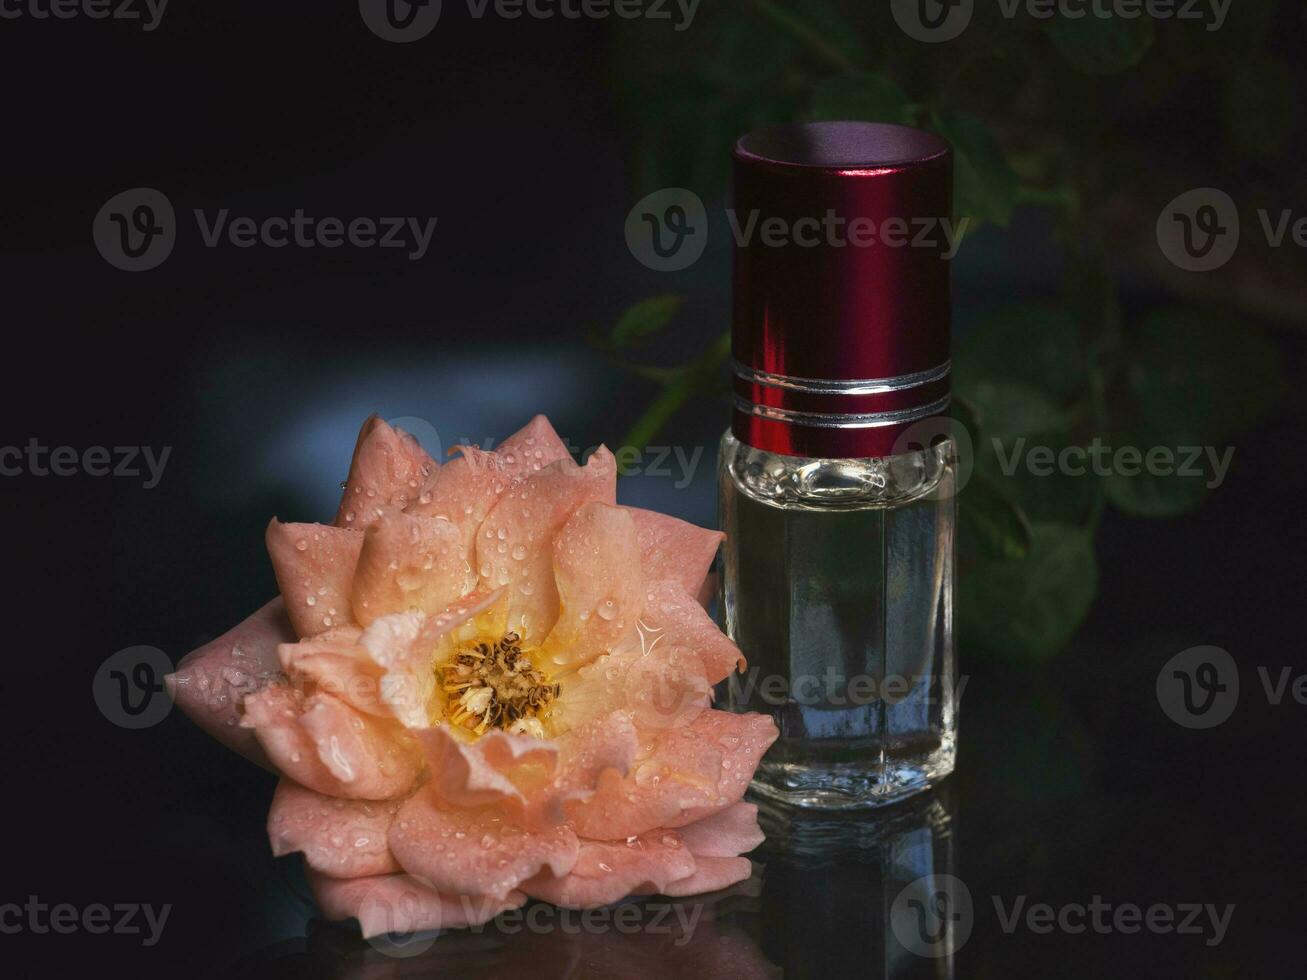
840, 591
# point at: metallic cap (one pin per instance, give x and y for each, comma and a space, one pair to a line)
842, 309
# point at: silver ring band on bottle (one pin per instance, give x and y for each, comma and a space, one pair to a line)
820, 386
842, 420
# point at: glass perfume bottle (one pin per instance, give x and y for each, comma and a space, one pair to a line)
837, 478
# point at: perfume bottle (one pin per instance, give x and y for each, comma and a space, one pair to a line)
837, 477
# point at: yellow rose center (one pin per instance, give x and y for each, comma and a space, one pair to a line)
496, 684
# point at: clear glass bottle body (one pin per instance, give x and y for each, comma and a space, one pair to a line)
837, 584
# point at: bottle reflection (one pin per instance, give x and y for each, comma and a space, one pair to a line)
871, 896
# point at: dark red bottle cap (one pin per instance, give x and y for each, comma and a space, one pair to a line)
843, 241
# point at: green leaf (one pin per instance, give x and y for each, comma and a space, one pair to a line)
1201, 375
984, 183
1034, 345
1028, 608
874, 98
748, 52
644, 319
989, 525
1161, 488
1008, 410
1102, 45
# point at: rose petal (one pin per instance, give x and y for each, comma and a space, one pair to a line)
389, 466
474, 850
373, 759
532, 448
691, 772
514, 545
727, 833
607, 871
408, 562
314, 564
671, 548
662, 686
496, 768
401, 903
683, 622
710, 874
342, 838
344, 675
597, 572
324, 744
211, 683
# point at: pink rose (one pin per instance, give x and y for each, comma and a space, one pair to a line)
485, 682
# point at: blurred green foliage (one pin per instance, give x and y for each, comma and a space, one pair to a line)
1053, 114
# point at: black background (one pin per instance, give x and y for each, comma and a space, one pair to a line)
254, 365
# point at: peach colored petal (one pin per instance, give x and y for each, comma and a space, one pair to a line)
496, 768
532, 448
350, 678
273, 715
710, 874
662, 686
342, 838
671, 548
389, 467
373, 759
314, 564
689, 773
323, 744
514, 545
682, 621
607, 871
727, 833
211, 683
401, 903
474, 850
405, 646
337, 640
408, 562
601, 594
